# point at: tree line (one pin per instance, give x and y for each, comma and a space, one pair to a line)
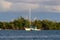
21, 23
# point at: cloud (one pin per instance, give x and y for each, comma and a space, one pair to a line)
26, 1
23, 6
18, 5
50, 5
11, 6
51, 2
5, 5
46, 2
52, 8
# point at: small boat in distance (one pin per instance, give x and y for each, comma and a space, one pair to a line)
28, 29
32, 29
30, 26
36, 29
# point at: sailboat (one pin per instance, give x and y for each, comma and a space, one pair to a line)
30, 29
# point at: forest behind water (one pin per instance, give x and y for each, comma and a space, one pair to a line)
21, 23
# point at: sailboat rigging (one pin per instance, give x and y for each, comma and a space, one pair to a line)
29, 29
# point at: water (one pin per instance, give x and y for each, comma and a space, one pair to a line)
29, 35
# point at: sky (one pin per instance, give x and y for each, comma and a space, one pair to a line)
40, 9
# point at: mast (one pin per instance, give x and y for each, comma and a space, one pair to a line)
30, 16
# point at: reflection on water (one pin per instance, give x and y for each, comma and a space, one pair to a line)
29, 35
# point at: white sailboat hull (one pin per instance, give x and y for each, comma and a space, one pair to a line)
27, 29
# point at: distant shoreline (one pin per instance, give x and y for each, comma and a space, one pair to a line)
21, 24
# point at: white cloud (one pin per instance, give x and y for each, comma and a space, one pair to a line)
5, 5
52, 8
57, 8
10, 6
18, 5
51, 2
24, 0
23, 6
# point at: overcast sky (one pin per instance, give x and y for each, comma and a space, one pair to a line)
11, 9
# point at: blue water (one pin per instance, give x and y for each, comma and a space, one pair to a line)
29, 35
